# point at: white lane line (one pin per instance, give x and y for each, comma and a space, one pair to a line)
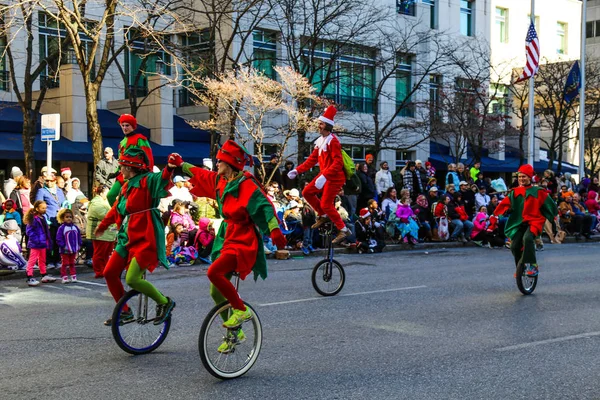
91, 283
548, 341
341, 295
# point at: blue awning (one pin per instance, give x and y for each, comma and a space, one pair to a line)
186, 133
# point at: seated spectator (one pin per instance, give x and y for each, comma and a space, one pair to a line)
565, 192
365, 236
177, 252
573, 219
11, 256
578, 205
592, 204
433, 195
481, 198
204, 240
459, 220
9, 212
180, 216
479, 234
377, 220
440, 211
450, 189
389, 203
407, 225
431, 183
292, 218
309, 218
74, 191
424, 217
179, 191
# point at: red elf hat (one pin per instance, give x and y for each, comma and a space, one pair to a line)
328, 115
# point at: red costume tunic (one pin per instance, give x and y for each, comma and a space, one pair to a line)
328, 154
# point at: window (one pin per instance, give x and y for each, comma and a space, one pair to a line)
465, 101
265, 52
432, 13
435, 87
466, 17
350, 81
403, 156
267, 150
404, 86
589, 29
498, 96
501, 24
144, 58
357, 152
406, 7
4, 81
561, 38
199, 57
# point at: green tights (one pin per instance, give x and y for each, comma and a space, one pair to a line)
134, 278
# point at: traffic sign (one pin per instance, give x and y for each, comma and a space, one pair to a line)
50, 127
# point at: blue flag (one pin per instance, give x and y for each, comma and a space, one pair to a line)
573, 83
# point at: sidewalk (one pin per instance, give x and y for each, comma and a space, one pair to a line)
10, 275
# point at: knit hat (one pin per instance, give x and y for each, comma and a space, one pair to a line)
10, 225
427, 164
369, 156
328, 115
526, 169
134, 157
129, 119
235, 155
65, 170
16, 172
433, 189
364, 213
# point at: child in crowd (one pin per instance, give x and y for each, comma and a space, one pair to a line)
39, 241
10, 211
429, 169
408, 227
204, 239
177, 252
365, 242
11, 256
68, 238
432, 183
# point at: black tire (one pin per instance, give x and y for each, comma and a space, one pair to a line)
140, 335
525, 283
237, 362
332, 274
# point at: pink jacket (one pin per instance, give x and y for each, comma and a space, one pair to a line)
479, 223
591, 203
404, 211
185, 220
204, 236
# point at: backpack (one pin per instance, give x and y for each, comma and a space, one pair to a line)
349, 166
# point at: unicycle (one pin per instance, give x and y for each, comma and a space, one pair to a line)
525, 283
134, 331
328, 276
243, 343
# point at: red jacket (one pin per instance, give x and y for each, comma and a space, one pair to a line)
328, 154
591, 203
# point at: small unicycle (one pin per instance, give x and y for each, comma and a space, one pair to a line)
241, 345
133, 324
525, 283
328, 276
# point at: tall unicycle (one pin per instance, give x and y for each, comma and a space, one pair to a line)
133, 324
525, 283
328, 276
229, 352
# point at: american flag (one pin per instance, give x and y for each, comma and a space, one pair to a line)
532, 53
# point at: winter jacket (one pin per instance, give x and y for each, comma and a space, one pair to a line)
21, 199
468, 198
441, 210
409, 181
383, 180
404, 212
185, 220
368, 187
97, 209
9, 185
452, 178
481, 200
172, 243
363, 231
288, 183
13, 215
54, 201
592, 204
204, 237
68, 239
389, 207
107, 171
38, 233
479, 224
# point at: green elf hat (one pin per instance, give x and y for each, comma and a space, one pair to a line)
235, 155
134, 157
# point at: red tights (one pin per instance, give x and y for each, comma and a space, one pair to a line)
217, 272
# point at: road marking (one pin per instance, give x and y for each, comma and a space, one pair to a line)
342, 295
91, 283
548, 341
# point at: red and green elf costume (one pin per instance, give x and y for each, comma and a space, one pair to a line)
131, 140
530, 207
247, 213
141, 237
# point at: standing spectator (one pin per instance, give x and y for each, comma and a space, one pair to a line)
412, 180
179, 191
55, 200
20, 195
551, 179
74, 191
422, 171
66, 174
40, 182
80, 211
430, 169
103, 244
68, 239
592, 204
452, 175
60, 183
39, 242
481, 198
11, 183
383, 179
493, 203
463, 175
371, 171
475, 171
9, 212
288, 183
368, 187
272, 172
107, 169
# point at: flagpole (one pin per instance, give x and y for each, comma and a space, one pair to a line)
582, 94
531, 116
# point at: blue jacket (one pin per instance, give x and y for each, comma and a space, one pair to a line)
39, 234
54, 202
68, 239
13, 215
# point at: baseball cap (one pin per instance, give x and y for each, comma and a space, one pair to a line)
462, 183
433, 189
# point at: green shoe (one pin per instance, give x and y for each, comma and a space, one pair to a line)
228, 345
163, 311
238, 317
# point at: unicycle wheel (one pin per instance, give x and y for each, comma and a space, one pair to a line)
242, 349
328, 277
136, 333
525, 283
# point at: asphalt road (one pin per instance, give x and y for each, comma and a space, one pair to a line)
447, 324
